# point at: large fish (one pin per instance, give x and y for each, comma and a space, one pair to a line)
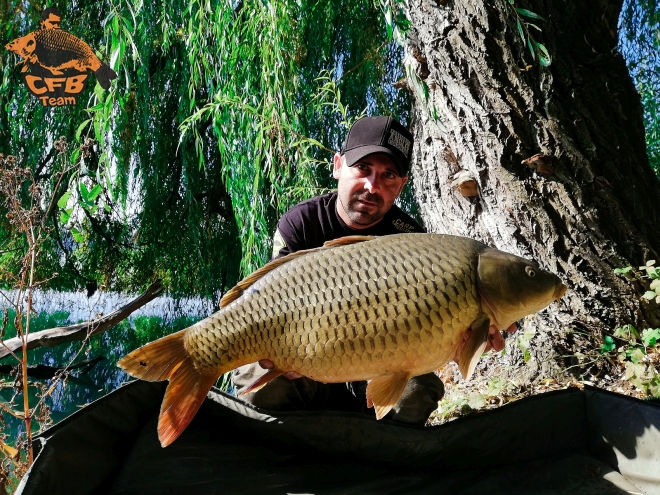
57, 50
359, 308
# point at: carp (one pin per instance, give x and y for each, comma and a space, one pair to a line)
57, 50
382, 309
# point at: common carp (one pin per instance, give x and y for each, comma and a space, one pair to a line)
57, 50
382, 309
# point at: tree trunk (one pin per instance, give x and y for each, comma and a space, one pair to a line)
490, 107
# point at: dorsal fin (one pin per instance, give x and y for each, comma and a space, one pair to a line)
349, 239
237, 291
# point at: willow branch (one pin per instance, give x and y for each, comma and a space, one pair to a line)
60, 335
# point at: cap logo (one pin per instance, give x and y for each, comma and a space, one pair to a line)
399, 142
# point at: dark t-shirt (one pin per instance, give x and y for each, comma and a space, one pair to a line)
311, 223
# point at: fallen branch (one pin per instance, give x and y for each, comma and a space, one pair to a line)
80, 331
45, 372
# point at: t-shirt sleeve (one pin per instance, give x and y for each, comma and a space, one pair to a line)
287, 238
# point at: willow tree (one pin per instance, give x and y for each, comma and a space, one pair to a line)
530, 138
224, 114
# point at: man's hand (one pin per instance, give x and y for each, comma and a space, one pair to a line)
267, 364
495, 339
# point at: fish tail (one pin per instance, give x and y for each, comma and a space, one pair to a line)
167, 359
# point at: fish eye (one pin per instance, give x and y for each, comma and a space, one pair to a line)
530, 271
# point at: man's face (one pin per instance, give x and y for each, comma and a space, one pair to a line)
366, 190
53, 22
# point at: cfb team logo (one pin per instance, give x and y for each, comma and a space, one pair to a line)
56, 62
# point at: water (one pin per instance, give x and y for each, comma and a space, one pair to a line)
81, 308
159, 317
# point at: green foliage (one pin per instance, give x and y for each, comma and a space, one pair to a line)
639, 355
523, 25
223, 116
647, 272
608, 345
523, 340
639, 352
639, 44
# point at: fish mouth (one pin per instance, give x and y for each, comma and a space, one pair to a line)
559, 292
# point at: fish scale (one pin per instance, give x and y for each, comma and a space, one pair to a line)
359, 308
348, 299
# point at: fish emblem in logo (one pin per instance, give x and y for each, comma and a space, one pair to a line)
56, 62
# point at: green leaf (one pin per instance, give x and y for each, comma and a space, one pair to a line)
649, 294
95, 108
115, 25
528, 13
608, 346
544, 56
520, 30
476, 401
651, 337
634, 331
97, 130
637, 355
626, 332
93, 194
64, 199
74, 155
531, 48
527, 356
84, 193
388, 23
64, 217
623, 270
77, 235
81, 127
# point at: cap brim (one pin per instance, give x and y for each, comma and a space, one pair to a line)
356, 154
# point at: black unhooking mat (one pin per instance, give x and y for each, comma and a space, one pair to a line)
565, 442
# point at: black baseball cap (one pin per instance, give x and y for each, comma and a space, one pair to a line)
380, 134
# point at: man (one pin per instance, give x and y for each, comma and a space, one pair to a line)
371, 171
51, 18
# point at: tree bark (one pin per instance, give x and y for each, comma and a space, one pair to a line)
80, 331
490, 107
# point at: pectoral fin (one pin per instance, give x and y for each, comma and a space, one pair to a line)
385, 391
474, 347
263, 380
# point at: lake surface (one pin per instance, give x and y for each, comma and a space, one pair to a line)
159, 317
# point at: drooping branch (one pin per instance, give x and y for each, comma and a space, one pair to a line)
42, 371
61, 335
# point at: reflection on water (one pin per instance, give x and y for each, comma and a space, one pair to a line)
160, 317
82, 308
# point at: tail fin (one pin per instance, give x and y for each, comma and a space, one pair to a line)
167, 359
